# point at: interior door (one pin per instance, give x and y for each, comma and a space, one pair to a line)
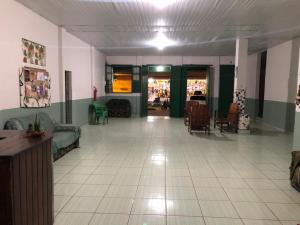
226, 88
263, 66
144, 91
175, 101
68, 96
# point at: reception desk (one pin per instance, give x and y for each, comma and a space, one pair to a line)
26, 179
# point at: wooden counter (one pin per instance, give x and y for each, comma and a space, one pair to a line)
26, 179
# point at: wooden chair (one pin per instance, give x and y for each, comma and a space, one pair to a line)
199, 119
229, 122
188, 109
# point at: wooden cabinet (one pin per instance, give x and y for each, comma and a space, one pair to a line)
26, 179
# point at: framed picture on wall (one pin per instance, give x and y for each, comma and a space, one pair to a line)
35, 88
33, 53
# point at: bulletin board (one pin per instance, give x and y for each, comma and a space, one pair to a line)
35, 88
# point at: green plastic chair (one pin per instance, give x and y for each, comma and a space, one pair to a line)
101, 112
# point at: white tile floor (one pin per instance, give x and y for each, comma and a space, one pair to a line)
151, 171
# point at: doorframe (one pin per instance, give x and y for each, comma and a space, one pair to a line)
262, 84
185, 68
144, 85
68, 97
182, 89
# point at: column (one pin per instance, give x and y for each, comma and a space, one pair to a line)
297, 115
241, 59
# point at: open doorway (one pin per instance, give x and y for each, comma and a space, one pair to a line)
159, 93
197, 85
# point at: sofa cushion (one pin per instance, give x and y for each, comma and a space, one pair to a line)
63, 139
21, 123
47, 124
295, 170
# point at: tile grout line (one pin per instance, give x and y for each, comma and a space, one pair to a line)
80, 185
195, 192
166, 200
130, 213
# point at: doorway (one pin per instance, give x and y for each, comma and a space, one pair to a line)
158, 92
68, 96
262, 79
226, 88
197, 85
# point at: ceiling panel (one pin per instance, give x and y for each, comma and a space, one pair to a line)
200, 27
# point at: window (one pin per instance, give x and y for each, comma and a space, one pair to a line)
122, 80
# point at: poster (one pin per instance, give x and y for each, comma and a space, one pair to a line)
33, 53
35, 88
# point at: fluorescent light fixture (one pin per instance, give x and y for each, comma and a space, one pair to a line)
161, 41
160, 4
160, 68
150, 80
161, 22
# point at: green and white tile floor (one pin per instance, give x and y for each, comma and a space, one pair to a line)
152, 172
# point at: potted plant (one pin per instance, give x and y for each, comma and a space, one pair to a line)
35, 129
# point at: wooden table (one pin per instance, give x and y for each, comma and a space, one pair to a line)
26, 179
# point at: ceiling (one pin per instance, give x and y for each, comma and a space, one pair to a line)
199, 27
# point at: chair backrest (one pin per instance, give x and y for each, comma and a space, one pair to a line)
233, 113
200, 115
21, 123
190, 105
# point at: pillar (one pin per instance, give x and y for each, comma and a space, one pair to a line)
240, 79
297, 114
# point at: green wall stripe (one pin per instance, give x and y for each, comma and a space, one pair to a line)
296, 145
279, 114
252, 107
80, 112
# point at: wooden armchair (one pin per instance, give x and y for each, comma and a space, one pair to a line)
188, 109
199, 119
229, 122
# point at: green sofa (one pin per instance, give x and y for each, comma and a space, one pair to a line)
65, 137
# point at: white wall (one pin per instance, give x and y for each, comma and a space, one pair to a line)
87, 65
77, 58
99, 72
63, 52
277, 72
252, 79
18, 22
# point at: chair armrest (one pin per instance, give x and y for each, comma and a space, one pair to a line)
67, 127
13, 124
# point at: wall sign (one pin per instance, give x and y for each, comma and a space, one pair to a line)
35, 88
33, 53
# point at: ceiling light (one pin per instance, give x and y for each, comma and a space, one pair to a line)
150, 80
160, 68
161, 41
160, 4
161, 22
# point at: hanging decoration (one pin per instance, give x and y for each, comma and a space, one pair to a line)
33, 53
298, 99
